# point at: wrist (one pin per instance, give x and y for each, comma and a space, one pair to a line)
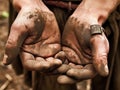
98, 11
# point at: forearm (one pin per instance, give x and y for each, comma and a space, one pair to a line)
106, 5
99, 9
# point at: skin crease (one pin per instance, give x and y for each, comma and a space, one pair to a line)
30, 40
83, 48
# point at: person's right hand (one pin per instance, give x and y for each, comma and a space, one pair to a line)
34, 36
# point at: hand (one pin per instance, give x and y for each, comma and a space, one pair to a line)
34, 36
86, 51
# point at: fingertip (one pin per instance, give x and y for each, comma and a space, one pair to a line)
100, 64
102, 69
81, 74
58, 62
71, 72
63, 68
5, 60
54, 61
105, 71
61, 55
63, 79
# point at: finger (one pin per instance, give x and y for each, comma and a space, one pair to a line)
61, 55
54, 63
30, 63
65, 67
14, 42
38, 63
100, 48
62, 69
63, 79
87, 72
72, 65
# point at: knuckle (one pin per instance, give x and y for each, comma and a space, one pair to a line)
15, 26
73, 18
18, 27
11, 43
72, 21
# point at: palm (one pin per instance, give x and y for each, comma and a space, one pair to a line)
31, 38
41, 40
41, 43
82, 48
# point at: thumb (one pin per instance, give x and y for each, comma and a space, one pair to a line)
100, 49
14, 42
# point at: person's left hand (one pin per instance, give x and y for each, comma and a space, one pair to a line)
86, 48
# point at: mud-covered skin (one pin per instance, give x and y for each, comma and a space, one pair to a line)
43, 35
81, 45
37, 48
33, 40
86, 53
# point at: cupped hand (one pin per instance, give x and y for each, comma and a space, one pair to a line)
86, 50
34, 36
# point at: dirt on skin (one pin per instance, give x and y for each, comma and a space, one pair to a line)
17, 81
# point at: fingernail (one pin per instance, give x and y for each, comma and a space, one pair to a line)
104, 71
57, 61
5, 59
